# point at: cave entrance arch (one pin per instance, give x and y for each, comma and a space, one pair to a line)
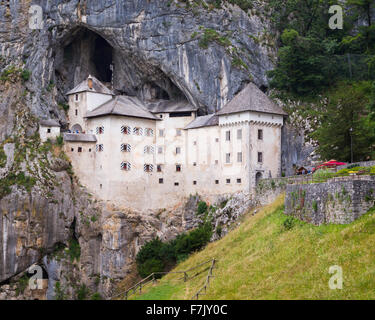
76, 128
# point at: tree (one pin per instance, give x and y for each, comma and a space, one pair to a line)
345, 109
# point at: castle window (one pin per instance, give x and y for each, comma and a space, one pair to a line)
148, 149
228, 181
217, 139
125, 147
148, 168
194, 182
72, 149
178, 150
149, 132
161, 133
178, 168
101, 186
161, 116
90, 150
79, 149
194, 164
216, 181
48, 130
227, 157
194, 143
161, 180
137, 131
239, 134
216, 161
260, 157
99, 148
125, 166
160, 150
239, 156
76, 112
176, 183
238, 180
158, 168
227, 135
76, 98
100, 130
178, 132
125, 130
260, 134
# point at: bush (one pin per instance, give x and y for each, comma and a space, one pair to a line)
202, 207
96, 296
155, 256
288, 223
82, 292
25, 75
74, 249
60, 140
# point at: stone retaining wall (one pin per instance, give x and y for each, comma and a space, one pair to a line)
337, 201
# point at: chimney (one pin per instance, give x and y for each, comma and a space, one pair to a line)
89, 82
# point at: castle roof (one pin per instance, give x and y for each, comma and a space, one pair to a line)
251, 98
163, 106
97, 87
203, 121
122, 106
49, 123
79, 137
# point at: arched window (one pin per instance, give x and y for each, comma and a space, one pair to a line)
76, 128
125, 130
258, 176
125, 147
125, 166
148, 149
100, 130
137, 131
99, 148
149, 132
148, 168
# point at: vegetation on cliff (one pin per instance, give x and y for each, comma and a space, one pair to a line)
273, 256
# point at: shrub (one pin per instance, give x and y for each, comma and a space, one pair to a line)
202, 207
25, 75
60, 140
96, 296
315, 206
288, 223
3, 158
74, 249
150, 257
82, 292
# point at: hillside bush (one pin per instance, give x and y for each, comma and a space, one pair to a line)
156, 256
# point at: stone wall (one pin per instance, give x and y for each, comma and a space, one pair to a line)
359, 164
337, 201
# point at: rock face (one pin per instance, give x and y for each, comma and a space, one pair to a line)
164, 49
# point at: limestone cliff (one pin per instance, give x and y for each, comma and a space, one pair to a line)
174, 49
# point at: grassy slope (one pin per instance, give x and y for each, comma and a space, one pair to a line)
262, 260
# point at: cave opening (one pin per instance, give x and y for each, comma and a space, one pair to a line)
102, 59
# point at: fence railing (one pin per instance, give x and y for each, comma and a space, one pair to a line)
153, 278
207, 282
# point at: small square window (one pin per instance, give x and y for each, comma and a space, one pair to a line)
158, 168
239, 156
195, 143
76, 112
216, 181
90, 150
194, 182
178, 168
228, 181
76, 97
227, 157
239, 134
161, 133
178, 132
260, 157
161, 116
227, 135
48, 130
176, 183
217, 139
72, 149
79, 149
238, 180
260, 134
194, 164
161, 180
216, 161
101, 186
160, 150
178, 150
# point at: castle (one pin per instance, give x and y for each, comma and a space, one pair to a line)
153, 154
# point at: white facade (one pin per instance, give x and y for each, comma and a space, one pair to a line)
142, 164
48, 131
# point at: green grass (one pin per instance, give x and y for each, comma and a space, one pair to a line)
264, 259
